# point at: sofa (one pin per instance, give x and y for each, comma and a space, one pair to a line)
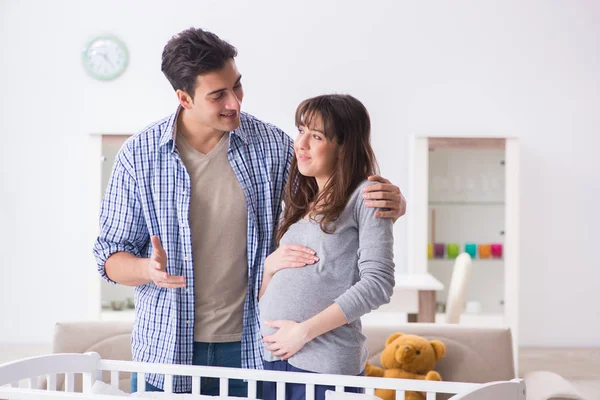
473, 354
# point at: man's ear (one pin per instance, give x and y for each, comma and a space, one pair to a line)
185, 99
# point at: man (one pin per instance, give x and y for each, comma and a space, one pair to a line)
189, 216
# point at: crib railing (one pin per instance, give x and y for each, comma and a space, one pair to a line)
253, 377
91, 366
49, 366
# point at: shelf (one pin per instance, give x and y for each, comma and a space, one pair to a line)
466, 203
387, 319
123, 315
474, 260
411, 281
482, 319
384, 319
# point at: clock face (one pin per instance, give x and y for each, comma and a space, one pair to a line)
105, 58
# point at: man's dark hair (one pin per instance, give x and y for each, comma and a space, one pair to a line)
191, 53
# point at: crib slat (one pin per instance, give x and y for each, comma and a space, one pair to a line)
33, 383
168, 383
141, 382
50, 382
88, 381
431, 396
339, 388
310, 391
400, 395
370, 391
223, 387
251, 389
114, 378
69, 382
195, 385
280, 391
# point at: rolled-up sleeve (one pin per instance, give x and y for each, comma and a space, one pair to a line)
375, 264
122, 225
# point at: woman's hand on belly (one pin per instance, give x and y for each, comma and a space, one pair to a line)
286, 256
289, 339
289, 256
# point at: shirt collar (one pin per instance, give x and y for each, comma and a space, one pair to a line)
167, 136
241, 132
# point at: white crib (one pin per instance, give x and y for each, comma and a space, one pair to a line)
90, 365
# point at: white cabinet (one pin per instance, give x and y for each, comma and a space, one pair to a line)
464, 194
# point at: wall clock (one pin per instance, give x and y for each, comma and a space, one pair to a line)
105, 58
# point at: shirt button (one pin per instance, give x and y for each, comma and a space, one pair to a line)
187, 290
187, 322
184, 192
185, 258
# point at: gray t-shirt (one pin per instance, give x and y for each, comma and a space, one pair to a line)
218, 217
355, 270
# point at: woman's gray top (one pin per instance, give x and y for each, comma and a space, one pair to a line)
355, 270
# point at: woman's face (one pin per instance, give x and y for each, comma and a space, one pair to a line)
316, 154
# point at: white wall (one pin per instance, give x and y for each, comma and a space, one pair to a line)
519, 68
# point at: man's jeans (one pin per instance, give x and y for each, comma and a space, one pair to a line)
213, 355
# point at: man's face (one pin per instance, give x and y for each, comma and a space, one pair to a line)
218, 98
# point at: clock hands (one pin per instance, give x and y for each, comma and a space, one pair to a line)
107, 60
103, 55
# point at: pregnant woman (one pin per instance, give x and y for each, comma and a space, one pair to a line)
310, 315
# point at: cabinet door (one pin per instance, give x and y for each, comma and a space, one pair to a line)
466, 213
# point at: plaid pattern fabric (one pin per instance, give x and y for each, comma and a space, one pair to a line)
149, 194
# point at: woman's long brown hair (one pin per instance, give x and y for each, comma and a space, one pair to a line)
345, 121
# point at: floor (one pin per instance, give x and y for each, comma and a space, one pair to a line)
581, 367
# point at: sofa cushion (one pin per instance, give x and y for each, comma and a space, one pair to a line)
117, 347
112, 340
473, 354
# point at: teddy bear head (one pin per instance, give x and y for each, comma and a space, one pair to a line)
411, 353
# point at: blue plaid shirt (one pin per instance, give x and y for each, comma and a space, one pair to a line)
149, 194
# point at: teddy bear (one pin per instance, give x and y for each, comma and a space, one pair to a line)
407, 357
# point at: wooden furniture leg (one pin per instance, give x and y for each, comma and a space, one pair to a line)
426, 306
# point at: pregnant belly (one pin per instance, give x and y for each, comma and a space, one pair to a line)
298, 294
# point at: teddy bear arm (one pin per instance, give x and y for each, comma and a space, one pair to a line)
372, 370
433, 376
